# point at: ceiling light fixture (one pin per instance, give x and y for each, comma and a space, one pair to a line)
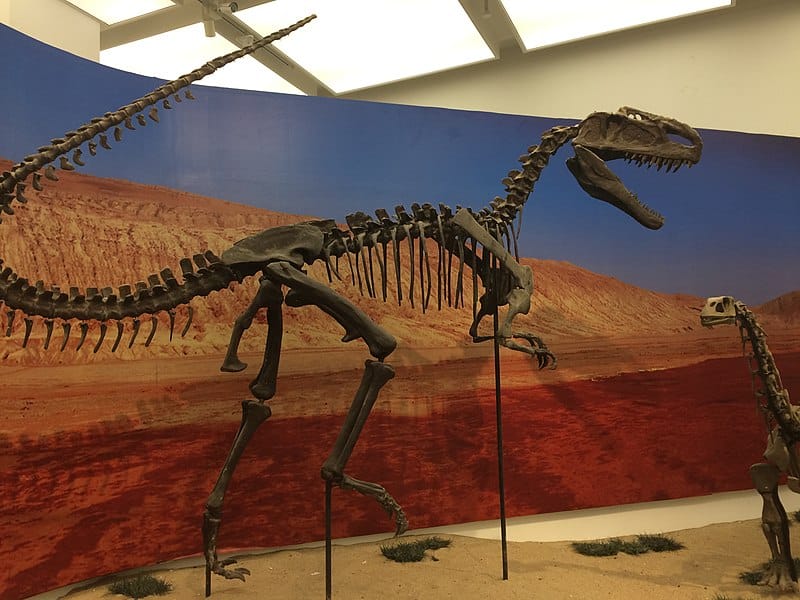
356, 44
541, 23
173, 53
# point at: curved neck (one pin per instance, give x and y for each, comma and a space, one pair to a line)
519, 184
776, 397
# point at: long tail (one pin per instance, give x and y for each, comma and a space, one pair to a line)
160, 292
10, 181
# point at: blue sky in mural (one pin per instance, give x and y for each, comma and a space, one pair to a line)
731, 220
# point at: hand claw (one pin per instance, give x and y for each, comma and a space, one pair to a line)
546, 359
537, 348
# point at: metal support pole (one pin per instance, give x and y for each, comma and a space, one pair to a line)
500, 477
328, 549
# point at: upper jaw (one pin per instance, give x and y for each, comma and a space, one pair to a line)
688, 153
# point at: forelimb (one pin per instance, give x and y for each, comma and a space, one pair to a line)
775, 525
518, 297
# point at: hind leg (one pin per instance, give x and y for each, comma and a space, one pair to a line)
305, 291
253, 414
376, 374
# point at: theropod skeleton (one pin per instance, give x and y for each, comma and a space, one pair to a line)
485, 241
782, 420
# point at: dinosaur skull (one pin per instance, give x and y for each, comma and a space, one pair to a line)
636, 136
719, 310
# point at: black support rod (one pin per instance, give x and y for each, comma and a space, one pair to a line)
328, 549
500, 477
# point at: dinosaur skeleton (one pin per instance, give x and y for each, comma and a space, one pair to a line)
782, 420
485, 241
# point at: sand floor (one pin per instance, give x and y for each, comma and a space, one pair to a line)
471, 569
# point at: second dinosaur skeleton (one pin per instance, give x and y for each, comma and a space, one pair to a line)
782, 420
482, 241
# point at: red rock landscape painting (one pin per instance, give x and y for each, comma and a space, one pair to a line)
107, 458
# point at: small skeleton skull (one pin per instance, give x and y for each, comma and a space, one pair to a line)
719, 310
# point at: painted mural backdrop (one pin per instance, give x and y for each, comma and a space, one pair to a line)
107, 458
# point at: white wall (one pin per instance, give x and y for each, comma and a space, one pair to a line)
736, 69
55, 23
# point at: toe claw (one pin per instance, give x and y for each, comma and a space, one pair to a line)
401, 523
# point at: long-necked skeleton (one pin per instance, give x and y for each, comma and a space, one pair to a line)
484, 241
782, 421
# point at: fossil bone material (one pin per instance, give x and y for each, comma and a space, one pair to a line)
783, 426
484, 241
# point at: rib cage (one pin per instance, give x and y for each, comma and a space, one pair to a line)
425, 222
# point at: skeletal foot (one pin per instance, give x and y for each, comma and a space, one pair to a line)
778, 577
213, 564
393, 509
384, 498
218, 567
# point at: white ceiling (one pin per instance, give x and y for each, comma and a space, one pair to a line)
353, 44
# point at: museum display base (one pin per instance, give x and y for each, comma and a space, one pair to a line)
715, 554
470, 569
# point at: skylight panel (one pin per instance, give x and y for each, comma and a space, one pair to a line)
174, 53
542, 23
356, 44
